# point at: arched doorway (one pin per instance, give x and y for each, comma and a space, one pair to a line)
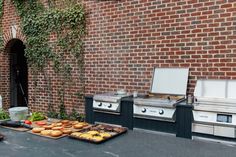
18, 73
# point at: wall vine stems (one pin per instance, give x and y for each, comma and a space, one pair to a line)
67, 23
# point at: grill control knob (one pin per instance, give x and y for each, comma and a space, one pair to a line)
100, 104
144, 110
161, 112
109, 106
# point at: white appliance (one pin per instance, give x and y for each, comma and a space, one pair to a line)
215, 108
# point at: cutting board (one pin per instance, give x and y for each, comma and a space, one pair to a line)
22, 129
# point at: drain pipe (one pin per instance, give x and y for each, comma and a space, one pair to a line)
0, 102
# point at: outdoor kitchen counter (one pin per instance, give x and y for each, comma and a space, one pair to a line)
133, 144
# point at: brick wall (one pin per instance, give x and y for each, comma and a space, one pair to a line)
127, 39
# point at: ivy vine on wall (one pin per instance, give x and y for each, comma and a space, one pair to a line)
38, 23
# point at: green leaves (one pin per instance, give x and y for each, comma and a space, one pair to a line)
38, 23
67, 26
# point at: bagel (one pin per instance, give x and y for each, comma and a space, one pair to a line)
56, 133
37, 130
57, 128
46, 132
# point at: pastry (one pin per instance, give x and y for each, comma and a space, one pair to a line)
66, 125
48, 126
67, 131
56, 133
97, 138
65, 121
78, 126
74, 122
93, 132
118, 130
57, 128
58, 124
77, 134
37, 130
83, 123
105, 135
86, 136
46, 132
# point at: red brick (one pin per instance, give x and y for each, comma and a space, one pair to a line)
121, 50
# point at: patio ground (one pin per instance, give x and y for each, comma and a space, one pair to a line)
135, 143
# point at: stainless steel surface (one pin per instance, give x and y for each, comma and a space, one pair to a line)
223, 90
170, 81
104, 111
109, 97
203, 128
155, 102
108, 102
215, 107
168, 88
224, 131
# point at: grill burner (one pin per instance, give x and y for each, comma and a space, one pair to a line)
215, 108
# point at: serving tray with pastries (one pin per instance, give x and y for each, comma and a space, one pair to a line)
98, 133
58, 129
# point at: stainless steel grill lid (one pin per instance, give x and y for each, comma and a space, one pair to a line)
216, 92
170, 81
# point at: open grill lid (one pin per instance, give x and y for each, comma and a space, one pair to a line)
216, 92
171, 81
215, 96
166, 82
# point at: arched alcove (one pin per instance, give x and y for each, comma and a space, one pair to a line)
18, 73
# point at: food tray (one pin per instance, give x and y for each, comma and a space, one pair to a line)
63, 135
21, 129
114, 131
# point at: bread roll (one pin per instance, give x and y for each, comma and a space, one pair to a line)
78, 126
46, 132
65, 121
75, 122
57, 128
37, 130
58, 124
56, 133
67, 131
48, 126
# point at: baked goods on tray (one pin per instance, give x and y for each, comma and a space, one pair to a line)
59, 128
98, 133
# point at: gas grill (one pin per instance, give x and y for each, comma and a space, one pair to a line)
157, 108
168, 88
215, 108
108, 102
110, 108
